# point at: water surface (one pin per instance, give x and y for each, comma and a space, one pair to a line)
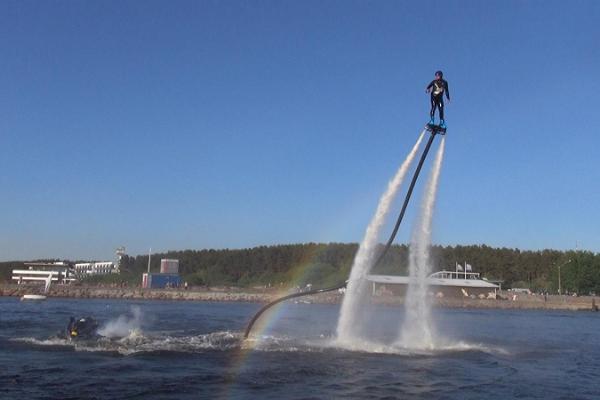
179, 350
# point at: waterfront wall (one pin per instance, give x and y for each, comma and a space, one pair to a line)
522, 301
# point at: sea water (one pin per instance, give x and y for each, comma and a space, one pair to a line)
194, 350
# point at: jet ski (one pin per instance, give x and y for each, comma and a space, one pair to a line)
82, 328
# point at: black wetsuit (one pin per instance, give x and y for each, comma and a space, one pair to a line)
438, 87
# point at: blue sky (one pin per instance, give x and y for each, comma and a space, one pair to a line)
211, 124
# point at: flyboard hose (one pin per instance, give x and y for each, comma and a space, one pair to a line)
433, 131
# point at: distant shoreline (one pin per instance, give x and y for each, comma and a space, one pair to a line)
100, 292
523, 301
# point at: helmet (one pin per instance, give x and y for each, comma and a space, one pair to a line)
440, 73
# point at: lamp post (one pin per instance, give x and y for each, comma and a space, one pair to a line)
561, 265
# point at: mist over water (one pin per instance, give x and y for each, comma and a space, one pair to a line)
350, 324
417, 329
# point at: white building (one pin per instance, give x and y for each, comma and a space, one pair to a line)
38, 272
96, 268
460, 282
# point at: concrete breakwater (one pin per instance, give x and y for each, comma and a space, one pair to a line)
98, 292
522, 301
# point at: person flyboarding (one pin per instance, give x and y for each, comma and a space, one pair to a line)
438, 87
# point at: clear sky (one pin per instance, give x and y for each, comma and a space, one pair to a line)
227, 124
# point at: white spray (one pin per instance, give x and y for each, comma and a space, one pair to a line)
417, 330
348, 329
124, 325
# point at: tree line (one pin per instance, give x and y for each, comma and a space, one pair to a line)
329, 264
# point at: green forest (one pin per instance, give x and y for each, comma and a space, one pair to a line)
328, 264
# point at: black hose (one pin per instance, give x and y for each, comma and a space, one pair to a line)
289, 296
379, 259
406, 200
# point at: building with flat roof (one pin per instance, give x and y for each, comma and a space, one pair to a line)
95, 268
167, 278
160, 281
39, 271
442, 283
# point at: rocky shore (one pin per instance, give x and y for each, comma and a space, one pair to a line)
522, 301
99, 292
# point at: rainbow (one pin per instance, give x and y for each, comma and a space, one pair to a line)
244, 353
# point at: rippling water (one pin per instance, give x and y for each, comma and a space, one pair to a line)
178, 350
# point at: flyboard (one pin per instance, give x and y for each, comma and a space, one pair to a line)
431, 128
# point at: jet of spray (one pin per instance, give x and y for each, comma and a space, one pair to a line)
349, 328
124, 325
417, 331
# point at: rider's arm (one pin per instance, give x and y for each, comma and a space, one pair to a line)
429, 87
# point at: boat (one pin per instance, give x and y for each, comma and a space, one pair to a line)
302, 302
33, 297
39, 297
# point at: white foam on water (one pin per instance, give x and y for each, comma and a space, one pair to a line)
124, 325
441, 347
136, 342
417, 330
349, 326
